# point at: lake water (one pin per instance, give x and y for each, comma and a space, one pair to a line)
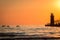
41, 31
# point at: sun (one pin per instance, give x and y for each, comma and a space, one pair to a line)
58, 3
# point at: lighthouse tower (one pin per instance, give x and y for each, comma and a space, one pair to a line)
52, 19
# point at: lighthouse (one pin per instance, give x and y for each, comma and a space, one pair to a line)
52, 19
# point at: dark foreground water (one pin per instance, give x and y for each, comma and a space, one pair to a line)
29, 39
35, 32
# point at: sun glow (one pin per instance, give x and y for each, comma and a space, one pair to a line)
58, 3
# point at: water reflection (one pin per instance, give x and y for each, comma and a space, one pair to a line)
41, 31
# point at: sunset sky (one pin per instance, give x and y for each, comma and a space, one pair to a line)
28, 12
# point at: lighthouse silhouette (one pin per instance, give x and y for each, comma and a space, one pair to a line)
52, 19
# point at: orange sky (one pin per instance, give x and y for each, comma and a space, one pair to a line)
35, 12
